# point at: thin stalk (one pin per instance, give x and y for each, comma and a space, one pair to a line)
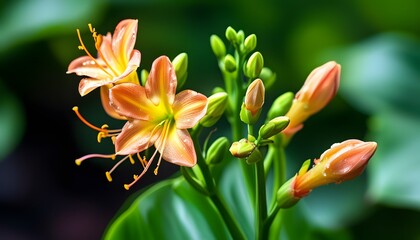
214, 195
261, 203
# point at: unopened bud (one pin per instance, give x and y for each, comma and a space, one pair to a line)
217, 46
240, 37
217, 151
230, 34
317, 91
180, 64
268, 77
230, 63
342, 162
254, 100
144, 74
281, 105
273, 127
250, 43
242, 149
254, 65
254, 157
216, 105
285, 196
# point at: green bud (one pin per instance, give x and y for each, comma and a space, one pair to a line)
217, 150
180, 64
247, 116
217, 46
250, 43
285, 198
216, 105
268, 77
273, 127
240, 37
144, 74
281, 105
254, 65
230, 34
242, 149
254, 157
230, 63
217, 90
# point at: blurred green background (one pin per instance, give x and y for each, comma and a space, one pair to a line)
44, 195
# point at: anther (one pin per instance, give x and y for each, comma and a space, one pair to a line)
108, 176
131, 159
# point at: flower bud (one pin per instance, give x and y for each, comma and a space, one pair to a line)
254, 100
250, 43
268, 77
217, 151
254, 65
217, 46
180, 64
254, 157
281, 105
216, 105
242, 149
240, 37
317, 91
273, 127
230, 34
144, 74
342, 162
230, 63
285, 197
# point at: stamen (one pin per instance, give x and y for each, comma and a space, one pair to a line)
83, 47
165, 136
108, 176
117, 164
131, 159
103, 132
136, 178
80, 160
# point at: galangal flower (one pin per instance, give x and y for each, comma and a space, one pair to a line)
116, 62
342, 162
156, 116
319, 88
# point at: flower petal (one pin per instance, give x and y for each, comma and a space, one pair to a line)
189, 107
129, 100
179, 148
106, 104
161, 83
106, 53
136, 136
124, 39
86, 66
87, 85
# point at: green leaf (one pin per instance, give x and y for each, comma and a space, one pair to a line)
169, 210
25, 20
11, 121
381, 77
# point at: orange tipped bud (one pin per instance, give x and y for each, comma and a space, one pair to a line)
317, 91
342, 162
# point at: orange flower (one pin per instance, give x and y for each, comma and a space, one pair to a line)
116, 63
158, 116
317, 91
343, 161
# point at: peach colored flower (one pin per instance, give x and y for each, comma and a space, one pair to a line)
317, 91
343, 161
116, 62
158, 116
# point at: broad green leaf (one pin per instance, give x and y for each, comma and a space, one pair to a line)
169, 210
11, 121
381, 77
25, 20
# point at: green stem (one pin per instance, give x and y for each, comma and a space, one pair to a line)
271, 217
261, 203
214, 195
